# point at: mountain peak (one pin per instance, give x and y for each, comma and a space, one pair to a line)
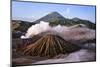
54, 12
51, 16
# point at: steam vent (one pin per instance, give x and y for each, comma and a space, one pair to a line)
49, 45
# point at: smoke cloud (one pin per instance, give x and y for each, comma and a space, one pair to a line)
76, 32
43, 27
36, 29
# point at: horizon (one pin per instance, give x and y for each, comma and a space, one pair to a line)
31, 11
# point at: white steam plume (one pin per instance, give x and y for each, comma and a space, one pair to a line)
43, 27
59, 28
79, 31
36, 29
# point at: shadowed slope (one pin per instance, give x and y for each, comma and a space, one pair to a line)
49, 45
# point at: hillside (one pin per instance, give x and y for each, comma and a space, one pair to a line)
22, 26
55, 18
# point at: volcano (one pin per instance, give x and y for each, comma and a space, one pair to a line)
49, 45
53, 16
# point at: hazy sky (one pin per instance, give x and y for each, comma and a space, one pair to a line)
31, 11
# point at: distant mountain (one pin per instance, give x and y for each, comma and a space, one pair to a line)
55, 18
